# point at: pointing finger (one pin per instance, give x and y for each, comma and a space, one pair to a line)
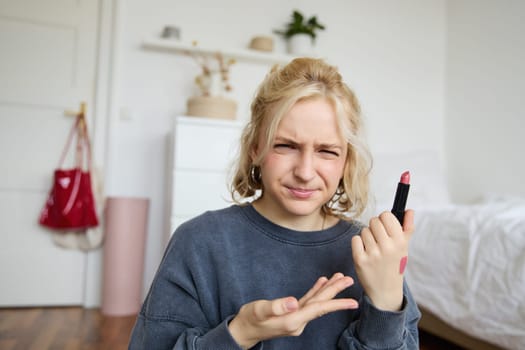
317, 286
315, 310
333, 287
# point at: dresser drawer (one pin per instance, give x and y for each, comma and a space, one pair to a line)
197, 191
210, 145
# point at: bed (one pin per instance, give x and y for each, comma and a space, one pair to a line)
466, 262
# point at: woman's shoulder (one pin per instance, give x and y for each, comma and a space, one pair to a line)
212, 218
207, 232
208, 224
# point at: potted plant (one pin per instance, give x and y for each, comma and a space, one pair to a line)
300, 33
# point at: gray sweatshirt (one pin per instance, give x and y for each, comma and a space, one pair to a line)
223, 259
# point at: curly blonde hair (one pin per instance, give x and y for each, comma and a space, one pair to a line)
283, 87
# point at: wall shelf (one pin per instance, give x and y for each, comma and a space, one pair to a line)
247, 55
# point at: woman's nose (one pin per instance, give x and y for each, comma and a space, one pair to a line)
305, 167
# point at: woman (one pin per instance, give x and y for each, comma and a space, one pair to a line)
288, 268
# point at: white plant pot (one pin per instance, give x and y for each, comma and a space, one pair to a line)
300, 45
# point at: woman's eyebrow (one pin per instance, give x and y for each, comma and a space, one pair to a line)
285, 139
330, 145
320, 145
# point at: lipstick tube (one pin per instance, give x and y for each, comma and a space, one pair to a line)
400, 200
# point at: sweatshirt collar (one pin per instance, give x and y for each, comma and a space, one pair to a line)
286, 235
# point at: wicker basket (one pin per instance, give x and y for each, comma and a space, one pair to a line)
262, 43
212, 107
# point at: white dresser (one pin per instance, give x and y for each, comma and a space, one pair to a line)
202, 153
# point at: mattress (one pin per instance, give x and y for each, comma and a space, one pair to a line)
467, 267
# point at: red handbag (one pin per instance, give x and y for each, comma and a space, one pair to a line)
70, 204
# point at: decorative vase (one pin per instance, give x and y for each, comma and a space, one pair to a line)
212, 107
300, 45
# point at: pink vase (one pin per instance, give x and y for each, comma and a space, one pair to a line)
125, 237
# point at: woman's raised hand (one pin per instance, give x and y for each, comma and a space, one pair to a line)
380, 255
267, 319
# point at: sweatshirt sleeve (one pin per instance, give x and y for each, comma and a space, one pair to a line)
173, 315
156, 333
378, 329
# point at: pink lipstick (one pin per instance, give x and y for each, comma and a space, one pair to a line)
400, 200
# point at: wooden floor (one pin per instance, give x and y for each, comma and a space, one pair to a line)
68, 328
75, 328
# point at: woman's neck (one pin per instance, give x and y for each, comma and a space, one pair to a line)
314, 222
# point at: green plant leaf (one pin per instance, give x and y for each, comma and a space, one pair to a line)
298, 25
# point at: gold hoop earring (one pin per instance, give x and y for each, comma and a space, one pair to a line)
255, 174
340, 188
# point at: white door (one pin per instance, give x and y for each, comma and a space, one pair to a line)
47, 66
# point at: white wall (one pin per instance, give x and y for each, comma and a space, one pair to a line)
391, 53
485, 117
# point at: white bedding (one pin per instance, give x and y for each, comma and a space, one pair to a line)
467, 266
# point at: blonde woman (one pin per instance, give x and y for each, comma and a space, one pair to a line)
287, 266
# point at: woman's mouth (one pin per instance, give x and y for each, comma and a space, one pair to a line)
301, 193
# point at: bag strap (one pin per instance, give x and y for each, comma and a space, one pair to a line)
83, 132
83, 144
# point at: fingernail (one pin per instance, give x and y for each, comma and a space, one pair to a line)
337, 275
352, 304
291, 305
349, 281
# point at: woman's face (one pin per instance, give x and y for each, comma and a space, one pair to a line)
303, 166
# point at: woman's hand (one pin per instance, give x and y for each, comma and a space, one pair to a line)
267, 319
380, 254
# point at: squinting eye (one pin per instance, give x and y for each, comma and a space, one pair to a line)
333, 153
282, 145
